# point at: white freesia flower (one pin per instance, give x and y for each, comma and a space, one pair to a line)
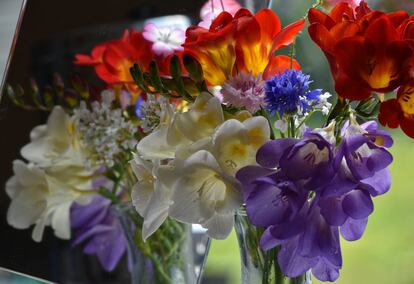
186, 167
235, 143
54, 143
161, 143
178, 130
203, 194
40, 199
149, 196
201, 121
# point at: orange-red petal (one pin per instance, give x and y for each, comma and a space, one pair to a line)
279, 64
287, 35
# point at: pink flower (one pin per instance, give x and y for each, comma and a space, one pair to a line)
212, 8
331, 3
244, 91
165, 40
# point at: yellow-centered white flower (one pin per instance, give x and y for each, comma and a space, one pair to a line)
149, 196
41, 199
42, 191
200, 153
55, 143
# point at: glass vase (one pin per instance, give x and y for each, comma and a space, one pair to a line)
256, 5
258, 266
174, 254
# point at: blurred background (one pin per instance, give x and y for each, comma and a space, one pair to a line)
53, 31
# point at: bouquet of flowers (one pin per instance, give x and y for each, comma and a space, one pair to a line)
210, 126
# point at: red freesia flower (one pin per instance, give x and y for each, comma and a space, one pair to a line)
400, 111
245, 42
365, 48
113, 59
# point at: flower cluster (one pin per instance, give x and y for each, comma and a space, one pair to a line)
288, 93
96, 225
104, 133
369, 51
186, 167
221, 123
230, 45
43, 190
305, 191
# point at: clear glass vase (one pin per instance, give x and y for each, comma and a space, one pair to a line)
174, 254
258, 266
256, 5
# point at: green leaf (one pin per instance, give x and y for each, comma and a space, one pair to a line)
80, 86
194, 68
58, 86
48, 97
191, 87
36, 95
155, 79
138, 77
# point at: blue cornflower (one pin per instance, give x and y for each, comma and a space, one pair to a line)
289, 92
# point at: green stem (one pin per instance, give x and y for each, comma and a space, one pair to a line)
292, 127
292, 52
305, 120
272, 132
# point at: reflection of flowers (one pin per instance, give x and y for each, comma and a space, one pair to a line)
96, 225
104, 132
212, 8
331, 3
55, 143
165, 40
43, 191
113, 59
41, 199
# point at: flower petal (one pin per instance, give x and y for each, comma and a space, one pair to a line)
353, 229
270, 153
358, 204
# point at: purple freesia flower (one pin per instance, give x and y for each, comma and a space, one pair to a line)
362, 162
96, 226
306, 191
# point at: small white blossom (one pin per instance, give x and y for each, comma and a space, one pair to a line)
104, 132
151, 113
281, 125
324, 105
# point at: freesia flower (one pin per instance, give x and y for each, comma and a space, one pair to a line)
55, 143
197, 154
203, 194
212, 8
98, 228
150, 197
113, 59
41, 199
364, 48
165, 40
244, 42
304, 211
216, 7
332, 3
